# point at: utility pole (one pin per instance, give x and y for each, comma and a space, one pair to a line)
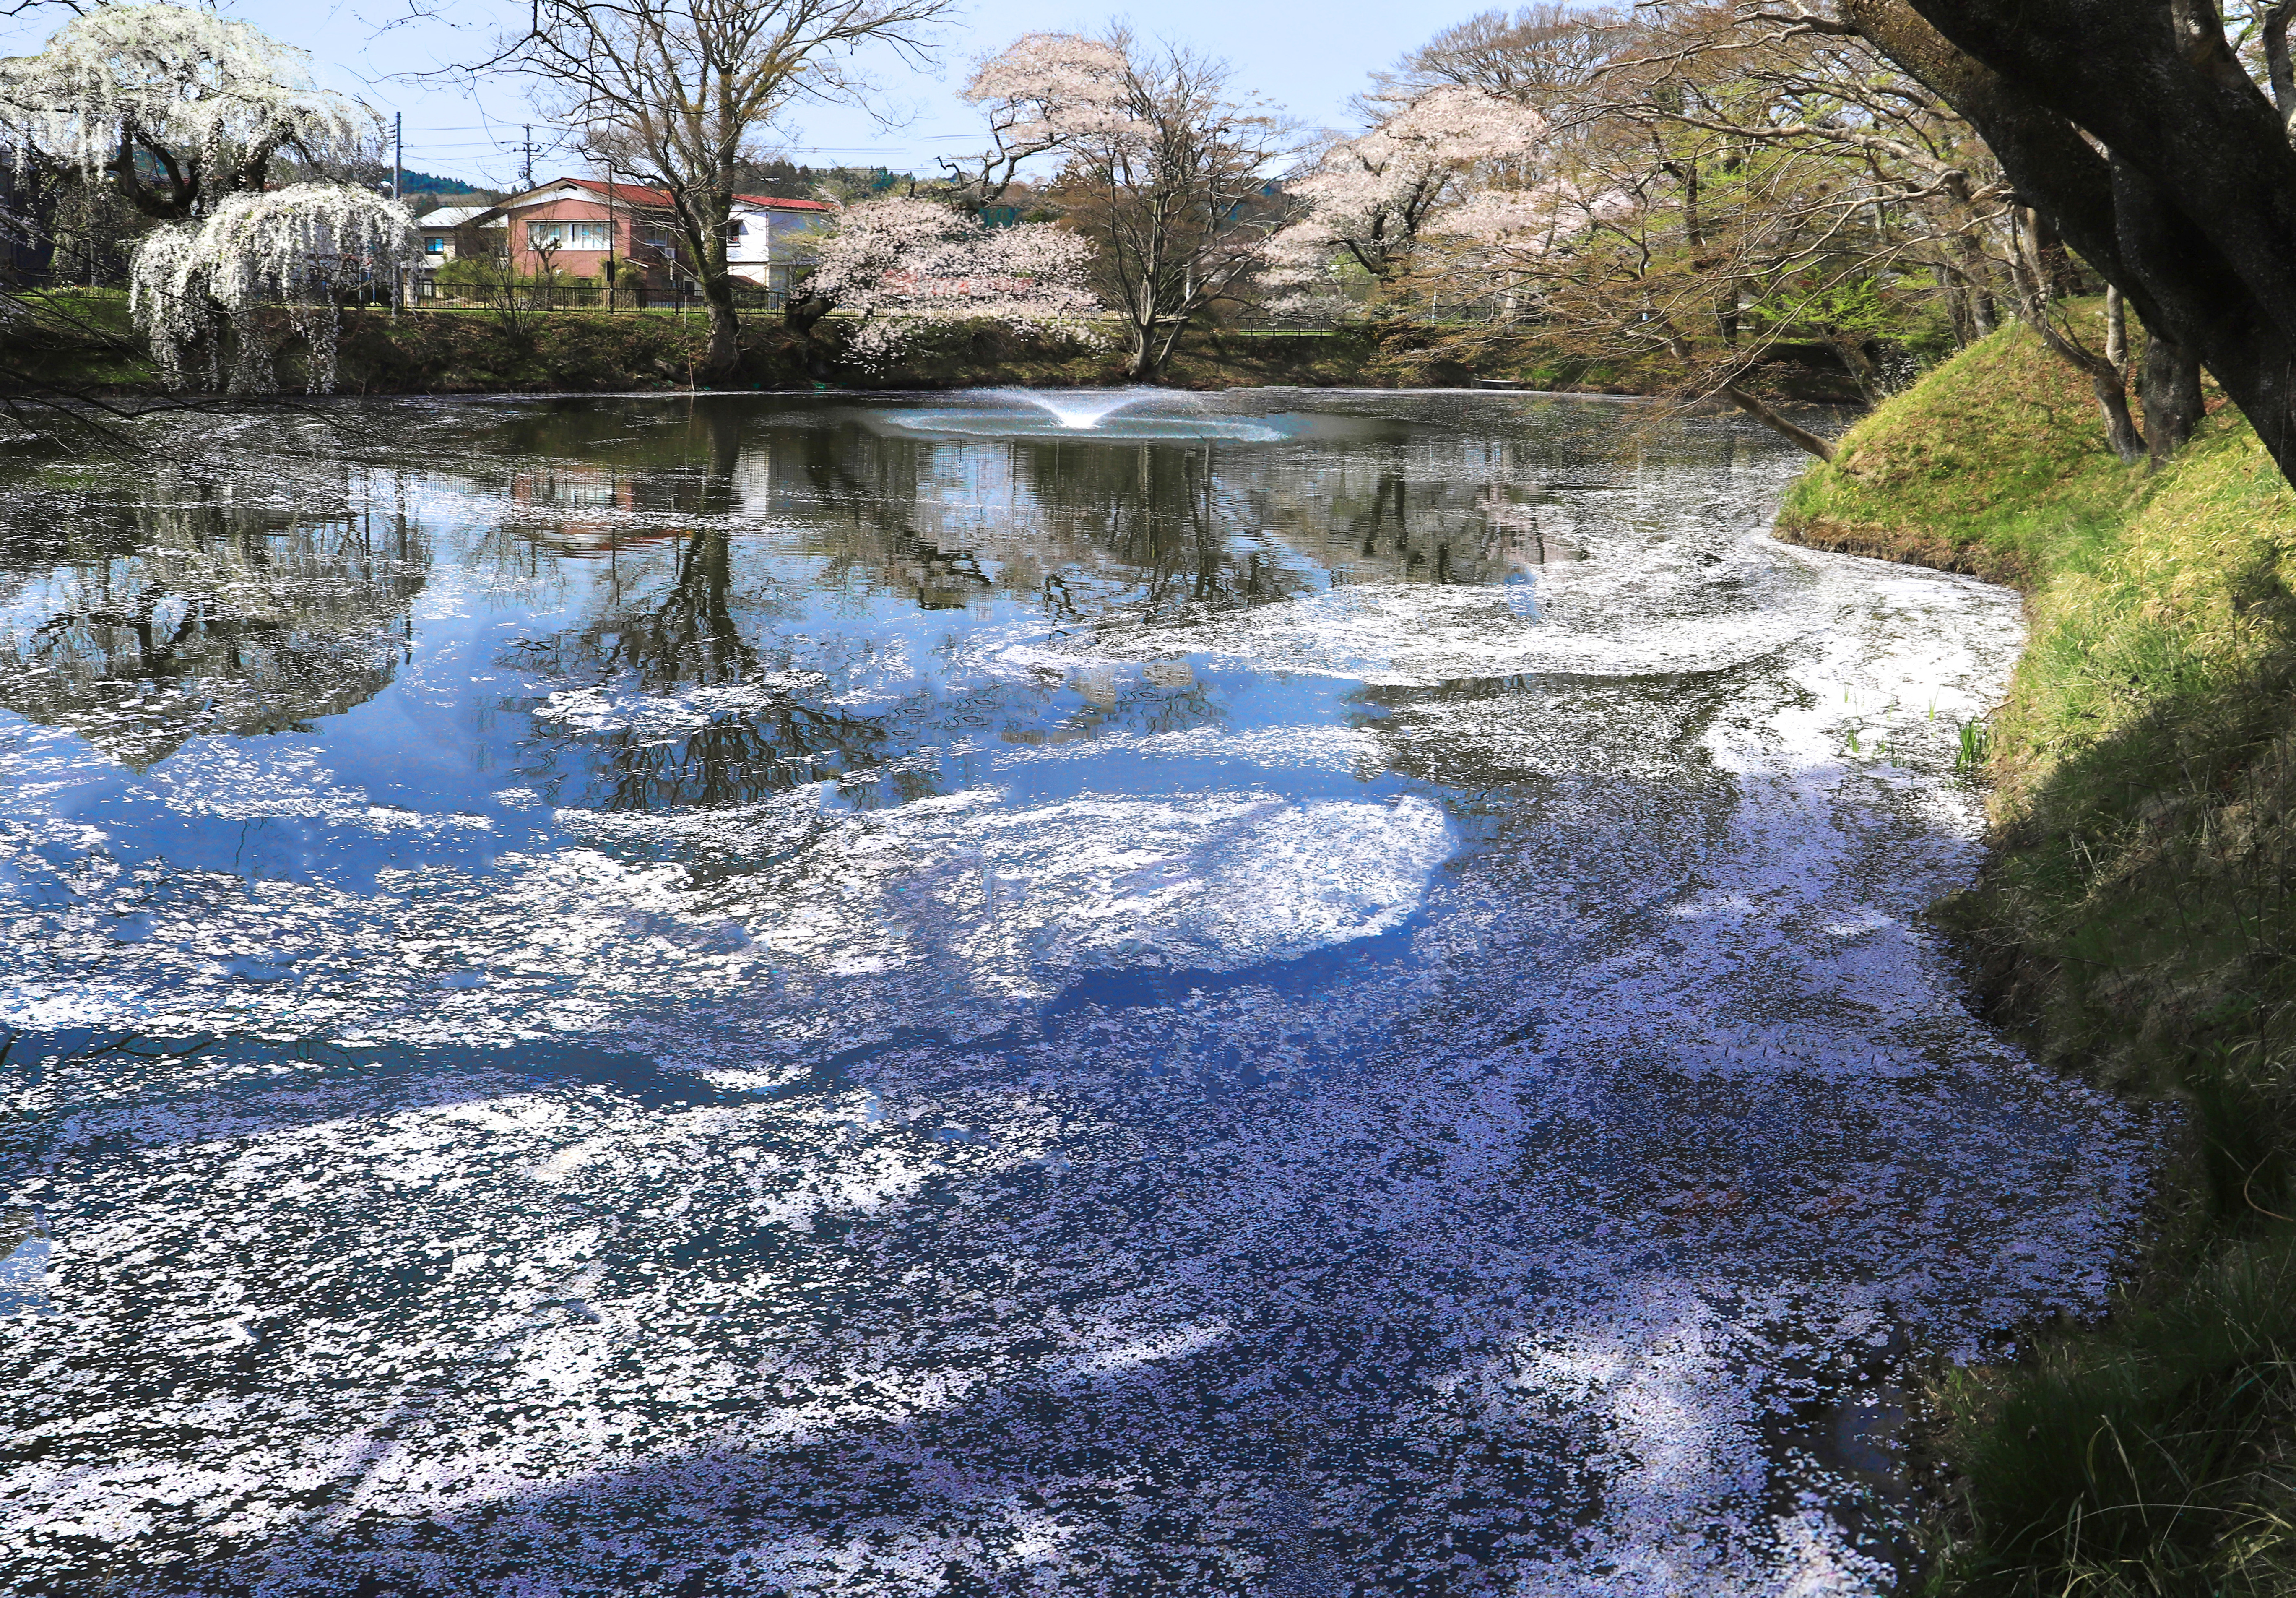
530, 154
398, 187
609, 238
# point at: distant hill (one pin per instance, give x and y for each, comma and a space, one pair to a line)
781, 179
423, 183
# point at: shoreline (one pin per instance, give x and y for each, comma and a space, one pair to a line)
566, 353
2129, 925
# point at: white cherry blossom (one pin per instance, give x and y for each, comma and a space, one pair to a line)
907, 265
298, 248
204, 100
1368, 199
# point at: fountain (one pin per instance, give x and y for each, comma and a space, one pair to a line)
1081, 409
1098, 413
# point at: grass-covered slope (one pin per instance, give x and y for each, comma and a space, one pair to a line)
2133, 921
1993, 464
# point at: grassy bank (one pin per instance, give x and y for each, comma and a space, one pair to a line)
2132, 922
465, 352
85, 338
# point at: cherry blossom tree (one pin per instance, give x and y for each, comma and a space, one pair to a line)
1174, 189
199, 286
1366, 200
1039, 94
904, 266
175, 106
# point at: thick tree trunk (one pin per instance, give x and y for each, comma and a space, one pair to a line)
723, 357
2193, 214
2172, 386
801, 313
1142, 365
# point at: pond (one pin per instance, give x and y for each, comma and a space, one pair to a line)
1284, 993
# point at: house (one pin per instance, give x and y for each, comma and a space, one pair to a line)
770, 242
572, 225
450, 232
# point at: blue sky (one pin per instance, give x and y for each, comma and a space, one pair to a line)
1307, 56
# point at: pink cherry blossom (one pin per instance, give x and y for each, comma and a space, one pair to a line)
907, 266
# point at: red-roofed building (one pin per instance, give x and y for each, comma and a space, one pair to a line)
574, 223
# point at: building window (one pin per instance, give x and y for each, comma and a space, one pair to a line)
734, 229
435, 244
593, 236
542, 235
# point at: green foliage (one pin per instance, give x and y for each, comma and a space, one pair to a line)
425, 183
79, 338
2147, 1459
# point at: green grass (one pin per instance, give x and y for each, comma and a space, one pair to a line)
2135, 922
1992, 463
2143, 1459
81, 337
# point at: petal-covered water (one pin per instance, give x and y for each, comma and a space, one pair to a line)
1309, 994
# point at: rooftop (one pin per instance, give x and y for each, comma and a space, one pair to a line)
638, 194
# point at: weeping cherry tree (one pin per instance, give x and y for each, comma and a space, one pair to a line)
197, 286
175, 107
184, 112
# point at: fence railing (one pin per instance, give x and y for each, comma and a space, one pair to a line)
430, 294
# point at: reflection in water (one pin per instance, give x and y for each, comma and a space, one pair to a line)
767, 997
174, 610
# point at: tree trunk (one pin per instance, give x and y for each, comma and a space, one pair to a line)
2172, 386
1141, 368
801, 313
2107, 374
2277, 65
2120, 427
2191, 215
1850, 348
1754, 407
723, 357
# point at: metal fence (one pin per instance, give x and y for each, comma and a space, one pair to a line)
430, 295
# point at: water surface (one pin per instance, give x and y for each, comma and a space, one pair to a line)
1286, 993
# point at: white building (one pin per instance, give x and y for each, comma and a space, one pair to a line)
768, 242
442, 231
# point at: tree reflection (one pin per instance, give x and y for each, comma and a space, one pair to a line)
1162, 513
142, 623
787, 520
705, 606
675, 618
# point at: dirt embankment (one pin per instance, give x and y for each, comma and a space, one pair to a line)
88, 342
